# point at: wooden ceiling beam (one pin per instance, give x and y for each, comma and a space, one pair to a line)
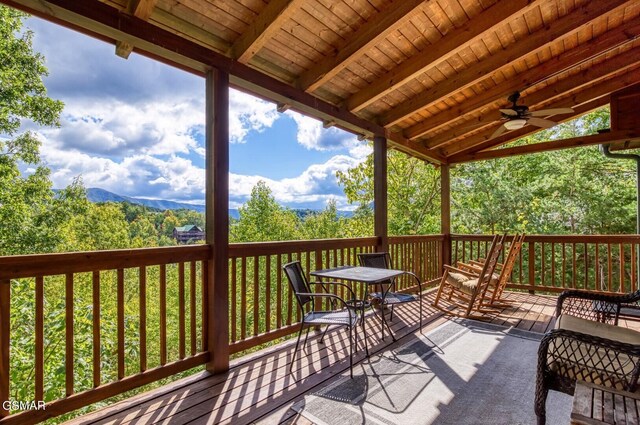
609, 75
621, 136
531, 44
99, 19
598, 93
593, 48
451, 44
393, 17
141, 9
263, 28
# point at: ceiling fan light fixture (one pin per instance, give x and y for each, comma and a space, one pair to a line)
515, 124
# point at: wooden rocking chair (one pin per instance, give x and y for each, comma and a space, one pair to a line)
499, 282
465, 289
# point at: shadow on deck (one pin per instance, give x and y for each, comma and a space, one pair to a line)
259, 388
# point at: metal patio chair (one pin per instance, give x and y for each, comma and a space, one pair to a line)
349, 313
389, 295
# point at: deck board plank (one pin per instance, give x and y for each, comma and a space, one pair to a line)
259, 389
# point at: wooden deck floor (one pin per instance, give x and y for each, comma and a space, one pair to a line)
260, 389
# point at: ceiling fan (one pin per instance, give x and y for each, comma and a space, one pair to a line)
519, 116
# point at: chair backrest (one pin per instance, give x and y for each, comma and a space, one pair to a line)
490, 264
510, 261
379, 260
298, 282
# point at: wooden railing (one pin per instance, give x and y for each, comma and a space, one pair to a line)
145, 313
80, 324
553, 263
263, 309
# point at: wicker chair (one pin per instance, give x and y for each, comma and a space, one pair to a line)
466, 289
587, 345
389, 296
349, 313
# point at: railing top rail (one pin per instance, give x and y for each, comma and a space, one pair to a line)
283, 247
416, 238
20, 266
558, 238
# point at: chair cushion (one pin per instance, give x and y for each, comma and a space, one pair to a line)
462, 282
590, 362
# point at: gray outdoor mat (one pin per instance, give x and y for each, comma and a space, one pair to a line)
463, 372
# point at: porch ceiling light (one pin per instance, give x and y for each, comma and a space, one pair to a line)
515, 124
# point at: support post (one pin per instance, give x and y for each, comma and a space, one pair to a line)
5, 316
217, 218
445, 213
380, 192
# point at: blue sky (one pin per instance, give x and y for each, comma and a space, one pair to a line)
135, 127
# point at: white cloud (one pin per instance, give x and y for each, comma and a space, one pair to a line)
248, 113
312, 135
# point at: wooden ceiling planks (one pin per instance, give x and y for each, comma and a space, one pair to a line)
432, 72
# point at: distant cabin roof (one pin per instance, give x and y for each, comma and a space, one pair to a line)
188, 228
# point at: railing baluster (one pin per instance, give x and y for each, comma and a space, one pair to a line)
39, 354
163, 314
256, 294
5, 341
596, 267
234, 300
610, 266
633, 285
192, 305
69, 334
120, 320
96, 328
621, 287
564, 265
543, 261
279, 291
574, 265
532, 266
267, 300
243, 298
290, 295
142, 281
181, 313
586, 267
553, 264
205, 311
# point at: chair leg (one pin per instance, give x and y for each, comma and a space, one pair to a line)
364, 334
440, 288
420, 312
351, 336
306, 336
295, 350
391, 316
321, 340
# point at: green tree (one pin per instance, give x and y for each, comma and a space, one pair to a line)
413, 195
263, 219
323, 225
31, 215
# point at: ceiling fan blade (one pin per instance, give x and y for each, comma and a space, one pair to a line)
552, 111
498, 132
541, 122
510, 112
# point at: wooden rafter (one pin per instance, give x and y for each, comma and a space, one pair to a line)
537, 74
365, 38
533, 43
98, 19
595, 139
451, 44
266, 24
598, 93
608, 73
141, 9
